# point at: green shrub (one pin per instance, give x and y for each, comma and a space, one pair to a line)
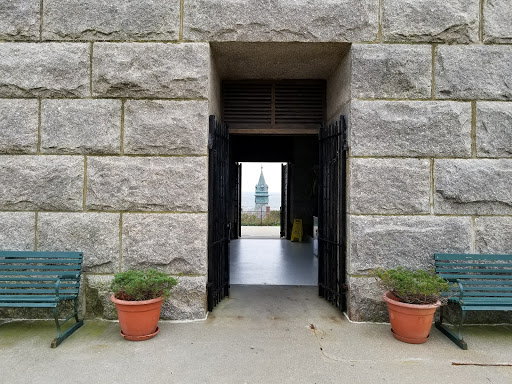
254, 218
142, 285
413, 287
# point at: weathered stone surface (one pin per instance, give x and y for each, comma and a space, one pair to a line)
19, 20
45, 70
473, 72
174, 243
391, 71
473, 187
408, 241
52, 183
365, 300
166, 127
453, 21
187, 301
81, 126
17, 231
283, 20
18, 126
385, 186
94, 234
497, 25
107, 20
147, 184
151, 70
494, 129
97, 297
493, 235
411, 128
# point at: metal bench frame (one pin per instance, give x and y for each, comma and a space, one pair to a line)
42, 280
482, 283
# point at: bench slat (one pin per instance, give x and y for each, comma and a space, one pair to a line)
38, 261
464, 264
31, 279
38, 273
474, 270
28, 305
37, 268
28, 298
41, 254
450, 276
39, 291
486, 308
31, 267
63, 285
471, 257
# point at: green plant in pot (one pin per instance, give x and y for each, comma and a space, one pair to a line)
412, 298
138, 296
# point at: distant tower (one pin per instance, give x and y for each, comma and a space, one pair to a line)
261, 194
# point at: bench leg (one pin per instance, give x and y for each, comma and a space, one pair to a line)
63, 336
457, 339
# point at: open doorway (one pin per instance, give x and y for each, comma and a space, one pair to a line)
268, 119
262, 255
261, 200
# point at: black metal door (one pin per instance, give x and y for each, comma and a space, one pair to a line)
332, 213
218, 220
284, 200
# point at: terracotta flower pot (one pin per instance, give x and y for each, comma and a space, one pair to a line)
410, 323
138, 319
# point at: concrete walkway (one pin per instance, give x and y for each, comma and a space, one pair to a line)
261, 334
261, 232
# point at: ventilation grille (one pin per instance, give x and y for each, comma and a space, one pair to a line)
300, 103
247, 103
274, 105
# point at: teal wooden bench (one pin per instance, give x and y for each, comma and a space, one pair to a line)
42, 280
482, 283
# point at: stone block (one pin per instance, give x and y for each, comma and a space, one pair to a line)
390, 186
439, 21
53, 183
17, 231
187, 301
497, 25
98, 20
81, 126
479, 72
166, 127
174, 243
147, 184
494, 129
44, 70
473, 187
284, 20
493, 235
391, 71
97, 297
365, 300
20, 20
407, 241
94, 234
151, 70
411, 128
18, 126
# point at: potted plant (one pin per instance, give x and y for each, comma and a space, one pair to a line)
138, 296
412, 298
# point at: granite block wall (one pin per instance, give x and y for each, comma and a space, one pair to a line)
104, 117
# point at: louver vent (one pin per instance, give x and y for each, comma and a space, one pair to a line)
280, 107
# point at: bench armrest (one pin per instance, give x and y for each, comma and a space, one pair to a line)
69, 276
461, 289
73, 276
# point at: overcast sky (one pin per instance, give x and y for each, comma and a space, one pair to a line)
251, 175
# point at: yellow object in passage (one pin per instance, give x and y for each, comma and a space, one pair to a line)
297, 230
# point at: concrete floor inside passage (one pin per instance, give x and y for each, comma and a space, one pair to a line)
272, 262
